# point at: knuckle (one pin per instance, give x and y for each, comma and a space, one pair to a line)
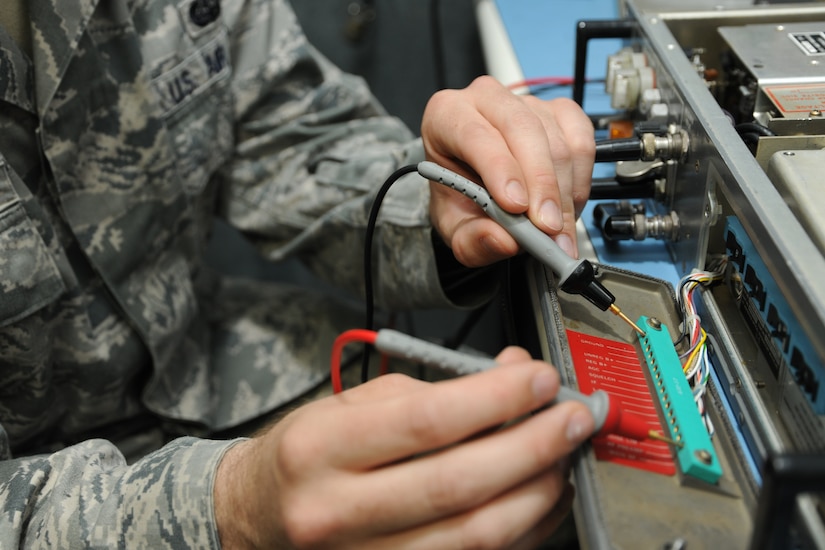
549, 181
394, 381
471, 132
568, 106
585, 143
424, 423
566, 103
525, 120
582, 145
308, 523
295, 452
446, 491
484, 81
440, 100
560, 151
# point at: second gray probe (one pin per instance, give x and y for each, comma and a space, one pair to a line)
575, 276
398, 344
608, 416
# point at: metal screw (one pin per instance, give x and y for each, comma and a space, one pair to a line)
678, 544
654, 323
816, 112
704, 456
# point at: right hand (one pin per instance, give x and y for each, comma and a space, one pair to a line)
535, 157
401, 463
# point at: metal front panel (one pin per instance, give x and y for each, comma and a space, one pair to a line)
787, 60
780, 53
620, 507
769, 192
719, 164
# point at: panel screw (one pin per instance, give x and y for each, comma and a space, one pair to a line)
704, 456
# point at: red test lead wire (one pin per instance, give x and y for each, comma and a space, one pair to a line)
347, 337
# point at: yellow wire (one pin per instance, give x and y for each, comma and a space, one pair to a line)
695, 351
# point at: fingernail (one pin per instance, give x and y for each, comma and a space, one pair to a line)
579, 427
550, 215
566, 244
515, 192
543, 386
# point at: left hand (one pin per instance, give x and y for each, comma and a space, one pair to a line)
535, 157
472, 462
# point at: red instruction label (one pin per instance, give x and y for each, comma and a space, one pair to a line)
797, 98
615, 368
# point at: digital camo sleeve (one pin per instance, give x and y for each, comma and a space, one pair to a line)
86, 496
312, 147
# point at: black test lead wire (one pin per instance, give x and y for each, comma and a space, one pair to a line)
369, 299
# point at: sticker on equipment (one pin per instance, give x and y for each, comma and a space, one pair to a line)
812, 43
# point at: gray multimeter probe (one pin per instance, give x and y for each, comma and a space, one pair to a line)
607, 414
575, 276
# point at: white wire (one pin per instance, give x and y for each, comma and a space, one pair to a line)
699, 372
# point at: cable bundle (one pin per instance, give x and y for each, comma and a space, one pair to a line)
695, 362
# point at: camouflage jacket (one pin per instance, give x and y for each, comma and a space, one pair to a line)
133, 124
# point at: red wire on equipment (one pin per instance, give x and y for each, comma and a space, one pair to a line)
542, 80
347, 337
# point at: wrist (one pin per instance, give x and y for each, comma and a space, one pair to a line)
239, 484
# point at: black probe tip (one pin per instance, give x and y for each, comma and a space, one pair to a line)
583, 281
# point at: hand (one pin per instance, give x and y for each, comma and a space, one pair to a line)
533, 156
400, 463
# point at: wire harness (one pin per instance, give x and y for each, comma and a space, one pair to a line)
695, 360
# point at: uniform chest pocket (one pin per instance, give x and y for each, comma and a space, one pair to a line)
29, 276
195, 97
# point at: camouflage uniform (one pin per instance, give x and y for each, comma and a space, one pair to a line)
132, 126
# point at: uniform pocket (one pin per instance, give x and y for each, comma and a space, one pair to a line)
29, 276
